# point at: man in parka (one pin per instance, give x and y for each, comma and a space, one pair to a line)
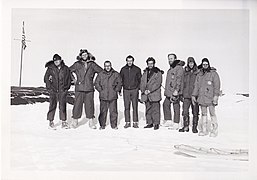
58, 82
85, 69
131, 77
189, 76
172, 92
151, 93
108, 83
206, 93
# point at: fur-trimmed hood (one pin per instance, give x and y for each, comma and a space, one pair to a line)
154, 69
177, 63
51, 64
211, 69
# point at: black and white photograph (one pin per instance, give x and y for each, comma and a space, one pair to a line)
96, 92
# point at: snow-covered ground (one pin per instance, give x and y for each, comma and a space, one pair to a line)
35, 147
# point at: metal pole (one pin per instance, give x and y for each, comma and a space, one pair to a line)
21, 63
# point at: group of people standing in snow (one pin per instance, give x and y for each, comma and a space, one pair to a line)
197, 87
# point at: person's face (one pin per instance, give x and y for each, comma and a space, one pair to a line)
107, 66
130, 61
150, 64
84, 56
205, 65
57, 62
171, 59
191, 64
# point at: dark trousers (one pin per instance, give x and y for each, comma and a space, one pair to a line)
167, 110
54, 98
112, 106
152, 112
128, 97
86, 98
187, 103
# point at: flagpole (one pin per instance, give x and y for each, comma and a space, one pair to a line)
21, 64
22, 48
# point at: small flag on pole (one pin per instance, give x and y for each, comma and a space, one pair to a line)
23, 37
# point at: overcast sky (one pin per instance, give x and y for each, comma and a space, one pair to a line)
220, 35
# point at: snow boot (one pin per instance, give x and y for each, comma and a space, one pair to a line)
149, 126
184, 129
204, 129
194, 129
51, 125
175, 126
102, 127
115, 128
214, 127
74, 123
92, 123
65, 125
135, 125
156, 127
167, 123
186, 124
127, 125
195, 123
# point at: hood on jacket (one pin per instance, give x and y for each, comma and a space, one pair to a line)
177, 62
191, 59
211, 69
154, 69
51, 64
201, 65
89, 58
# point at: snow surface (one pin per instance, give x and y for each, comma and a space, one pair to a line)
35, 147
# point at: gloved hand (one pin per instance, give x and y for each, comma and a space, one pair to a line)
147, 92
51, 78
181, 98
193, 98
215, 100
175, 93
174, 99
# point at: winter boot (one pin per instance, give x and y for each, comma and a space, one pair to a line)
184, 129
194, 129
51, 125
175, 126
102, 127
167, 123
135, 125
65, 125
92, 123
156, 127
186, 124
214, 127
74, 123
149, 126
204, 128
127, 125
115, 128
195, 123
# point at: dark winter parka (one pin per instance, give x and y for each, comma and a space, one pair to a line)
131, 77
207, 85
174, 78
153, 84
57, 80
85, 74
189, 77
108, 84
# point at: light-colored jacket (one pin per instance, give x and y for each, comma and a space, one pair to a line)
85, 74
174, 78
153, 85
207, 85
108, 84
